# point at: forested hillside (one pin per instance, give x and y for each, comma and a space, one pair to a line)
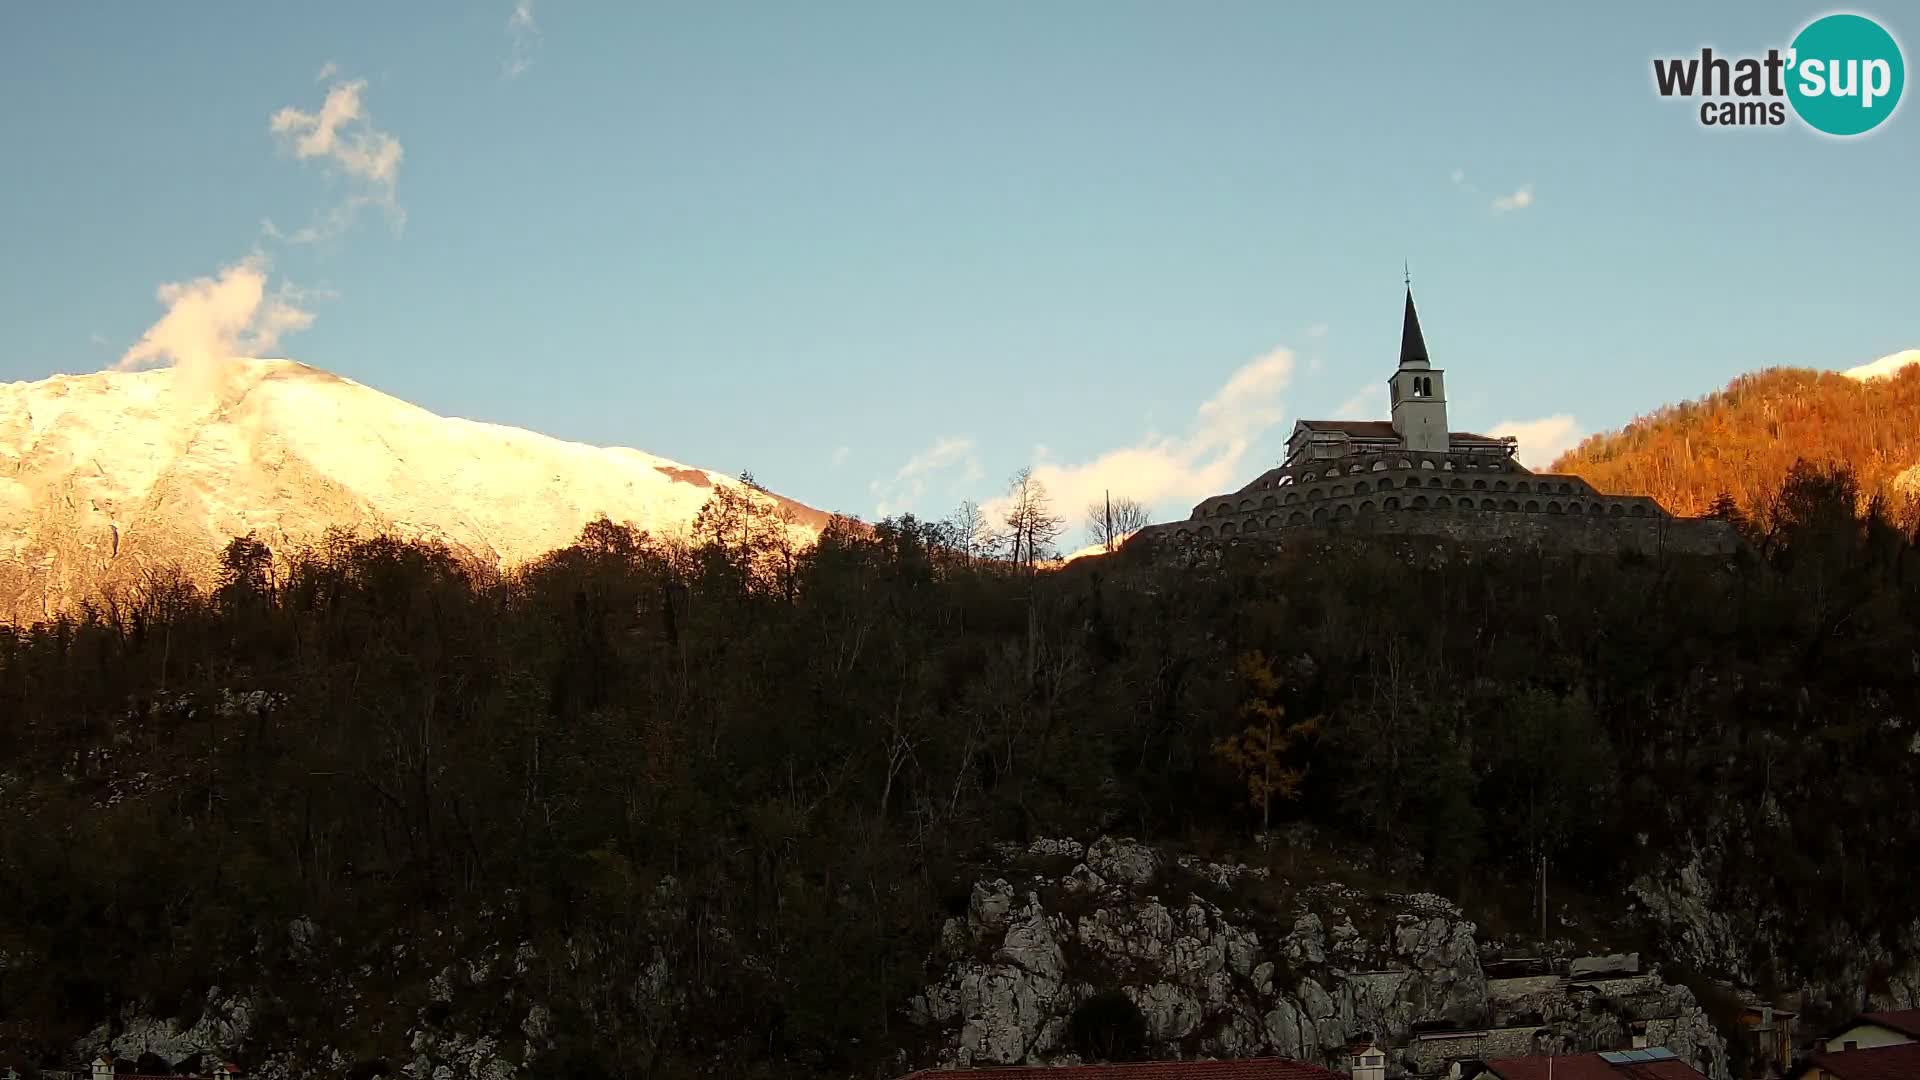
1741, 441
803, 748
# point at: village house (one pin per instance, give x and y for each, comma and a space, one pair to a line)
1873, 1046
1869, 1030
1768, 1033
1900, 1061
1652, 1063
1242, 1069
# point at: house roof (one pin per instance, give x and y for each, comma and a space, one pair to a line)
1245, 1069
1904, 1021
1899, 1062
1591, 1067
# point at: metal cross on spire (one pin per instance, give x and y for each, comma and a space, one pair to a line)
1408, 268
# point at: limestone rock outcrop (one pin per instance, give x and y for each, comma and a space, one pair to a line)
1062, 923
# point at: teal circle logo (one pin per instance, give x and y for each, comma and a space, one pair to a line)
1845, 74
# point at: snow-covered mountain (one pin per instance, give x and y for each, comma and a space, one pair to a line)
105, 475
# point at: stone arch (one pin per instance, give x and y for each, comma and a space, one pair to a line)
1183, 534
1290, 497
1224, 508
1338, 490
1419, 502
1553, 506
1479, 485
1385, 483
1228, 528
1639, 510
1595, 509
1267, 501
1434, 482
1446, 466
1616, 510
1343, 511
1246, 504
1380, 466
1520, 485
1533, 506
1402, 463
1361, 488
1367, 507
1499, 485
1426, 463
1307, 476
1320, 513
1315, 493
1391, 502
1298, 517
1206, 532
1273, 521
1488, 504
1509, 505
1443, 503
1566, 489
1459, 482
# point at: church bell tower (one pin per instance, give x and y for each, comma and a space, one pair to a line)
1419, 391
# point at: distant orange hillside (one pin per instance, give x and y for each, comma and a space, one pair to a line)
1743, 439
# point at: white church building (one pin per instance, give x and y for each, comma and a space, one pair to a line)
1414, 474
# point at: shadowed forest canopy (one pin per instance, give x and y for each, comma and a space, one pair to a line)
805, 747
1741, 441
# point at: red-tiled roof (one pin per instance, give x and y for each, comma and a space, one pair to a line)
1590, 1067
1245, 1069
1900, 1062
1904, 1021
1383, 429
1360, 429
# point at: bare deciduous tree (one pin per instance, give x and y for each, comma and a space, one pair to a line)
1115, 518
967, 531
1032, 526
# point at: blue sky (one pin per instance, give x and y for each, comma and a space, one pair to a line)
883, 254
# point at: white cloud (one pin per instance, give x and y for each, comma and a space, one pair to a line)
327, 71
840, 454
908, 485
524, 34
1459, 177
1166, 469
211, 320
1542, 440
1884, 366
1363, 405
1519, 200
1317, 330
341, 134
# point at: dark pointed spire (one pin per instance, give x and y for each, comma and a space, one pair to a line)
1413, 347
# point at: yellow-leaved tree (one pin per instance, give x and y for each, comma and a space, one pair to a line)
1259, 752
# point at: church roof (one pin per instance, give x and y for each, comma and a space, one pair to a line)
1383, 429
1413, 347
1358, 429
